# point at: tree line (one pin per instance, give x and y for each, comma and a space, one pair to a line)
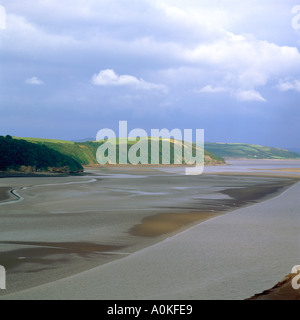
16, 153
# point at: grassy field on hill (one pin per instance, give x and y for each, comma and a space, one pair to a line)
85, 152
249, 151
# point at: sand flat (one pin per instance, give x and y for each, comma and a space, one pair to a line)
119, 210
164, 223
283, 169
232, 256
4, 193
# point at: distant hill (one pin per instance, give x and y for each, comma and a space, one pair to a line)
294, 149
83, 140
23, 156
85, 152
249, 151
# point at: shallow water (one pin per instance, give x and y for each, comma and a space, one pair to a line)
252, 166
229, 257
102, 208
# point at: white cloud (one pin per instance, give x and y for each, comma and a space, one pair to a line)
210, 89
244, 53
108, 77
248, 95
286, 85
34, 81
243, 63
239, 94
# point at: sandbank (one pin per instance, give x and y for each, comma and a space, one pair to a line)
70, 229
232, 256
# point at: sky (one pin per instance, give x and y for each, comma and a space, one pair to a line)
70, 68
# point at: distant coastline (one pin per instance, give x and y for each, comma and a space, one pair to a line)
45, 174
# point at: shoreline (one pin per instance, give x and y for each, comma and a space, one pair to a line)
279, 174
283, 290
180, 222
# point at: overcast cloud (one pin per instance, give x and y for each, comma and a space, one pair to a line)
70, 68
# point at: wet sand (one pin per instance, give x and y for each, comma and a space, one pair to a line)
4, 193
65, 226
232, 256
165, 223
283, 290
284, 169
265, 174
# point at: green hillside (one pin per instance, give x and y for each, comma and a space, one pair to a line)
22, 155
249, 151
85, 152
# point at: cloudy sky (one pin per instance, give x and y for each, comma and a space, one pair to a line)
69, 68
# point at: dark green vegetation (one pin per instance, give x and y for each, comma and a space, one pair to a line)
85, 152
60, 153
248, 151
24, 156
